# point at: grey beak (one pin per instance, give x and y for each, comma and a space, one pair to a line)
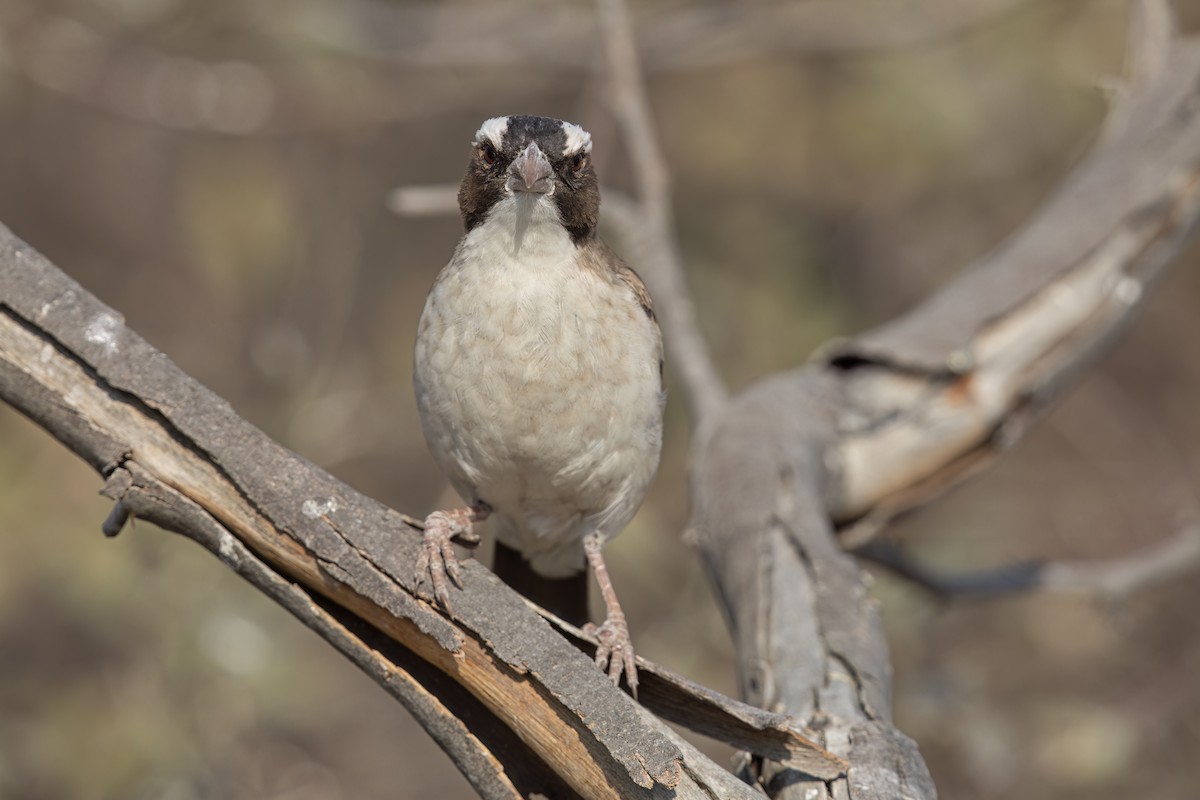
531, 172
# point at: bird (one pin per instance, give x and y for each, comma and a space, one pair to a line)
538, 373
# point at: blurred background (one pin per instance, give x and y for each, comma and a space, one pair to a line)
218, 171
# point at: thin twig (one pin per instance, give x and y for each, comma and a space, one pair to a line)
654, 239
150, 84
1119, 577
677, 36
426, 200
945, 584
1152, 29
1111, 579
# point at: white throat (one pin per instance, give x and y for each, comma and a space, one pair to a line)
526, 226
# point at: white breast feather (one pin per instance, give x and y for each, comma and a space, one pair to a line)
539, 385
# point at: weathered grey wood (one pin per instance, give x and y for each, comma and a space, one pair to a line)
754, 729
882, 422
1127, 182
69, 363
439, 704
889, 419
808, 638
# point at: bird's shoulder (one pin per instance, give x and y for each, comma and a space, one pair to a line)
598, 256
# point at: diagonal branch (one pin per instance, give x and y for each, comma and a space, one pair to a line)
176, 454
944, 389
881, 423
439, 705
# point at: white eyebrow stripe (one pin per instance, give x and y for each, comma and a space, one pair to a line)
577, 139
493, 130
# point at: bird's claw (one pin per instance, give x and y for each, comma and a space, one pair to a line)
437, 559
614, 650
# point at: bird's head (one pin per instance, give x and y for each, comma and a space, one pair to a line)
533, 160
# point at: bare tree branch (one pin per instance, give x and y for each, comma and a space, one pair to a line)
762, 732
650, 233
174, 453
1112, 579
889, 419
956, 380
432, 200
1118, 578
879, 424
407, 678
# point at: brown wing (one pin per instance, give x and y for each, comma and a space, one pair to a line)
634, 281
597, 255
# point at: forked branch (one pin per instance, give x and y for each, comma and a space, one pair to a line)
888, 420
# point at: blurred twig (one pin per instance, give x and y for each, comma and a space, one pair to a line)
1152, 28
650, 231
432, 200
119, 70
1111, 579
486, 34
1117, 578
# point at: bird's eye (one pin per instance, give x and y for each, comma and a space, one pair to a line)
487, 153
578, 162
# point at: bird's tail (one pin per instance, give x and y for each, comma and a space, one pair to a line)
564, 597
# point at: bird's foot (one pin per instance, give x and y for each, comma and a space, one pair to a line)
438, 560
614, 651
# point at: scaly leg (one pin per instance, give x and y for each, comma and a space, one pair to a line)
437, 558
615, 650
